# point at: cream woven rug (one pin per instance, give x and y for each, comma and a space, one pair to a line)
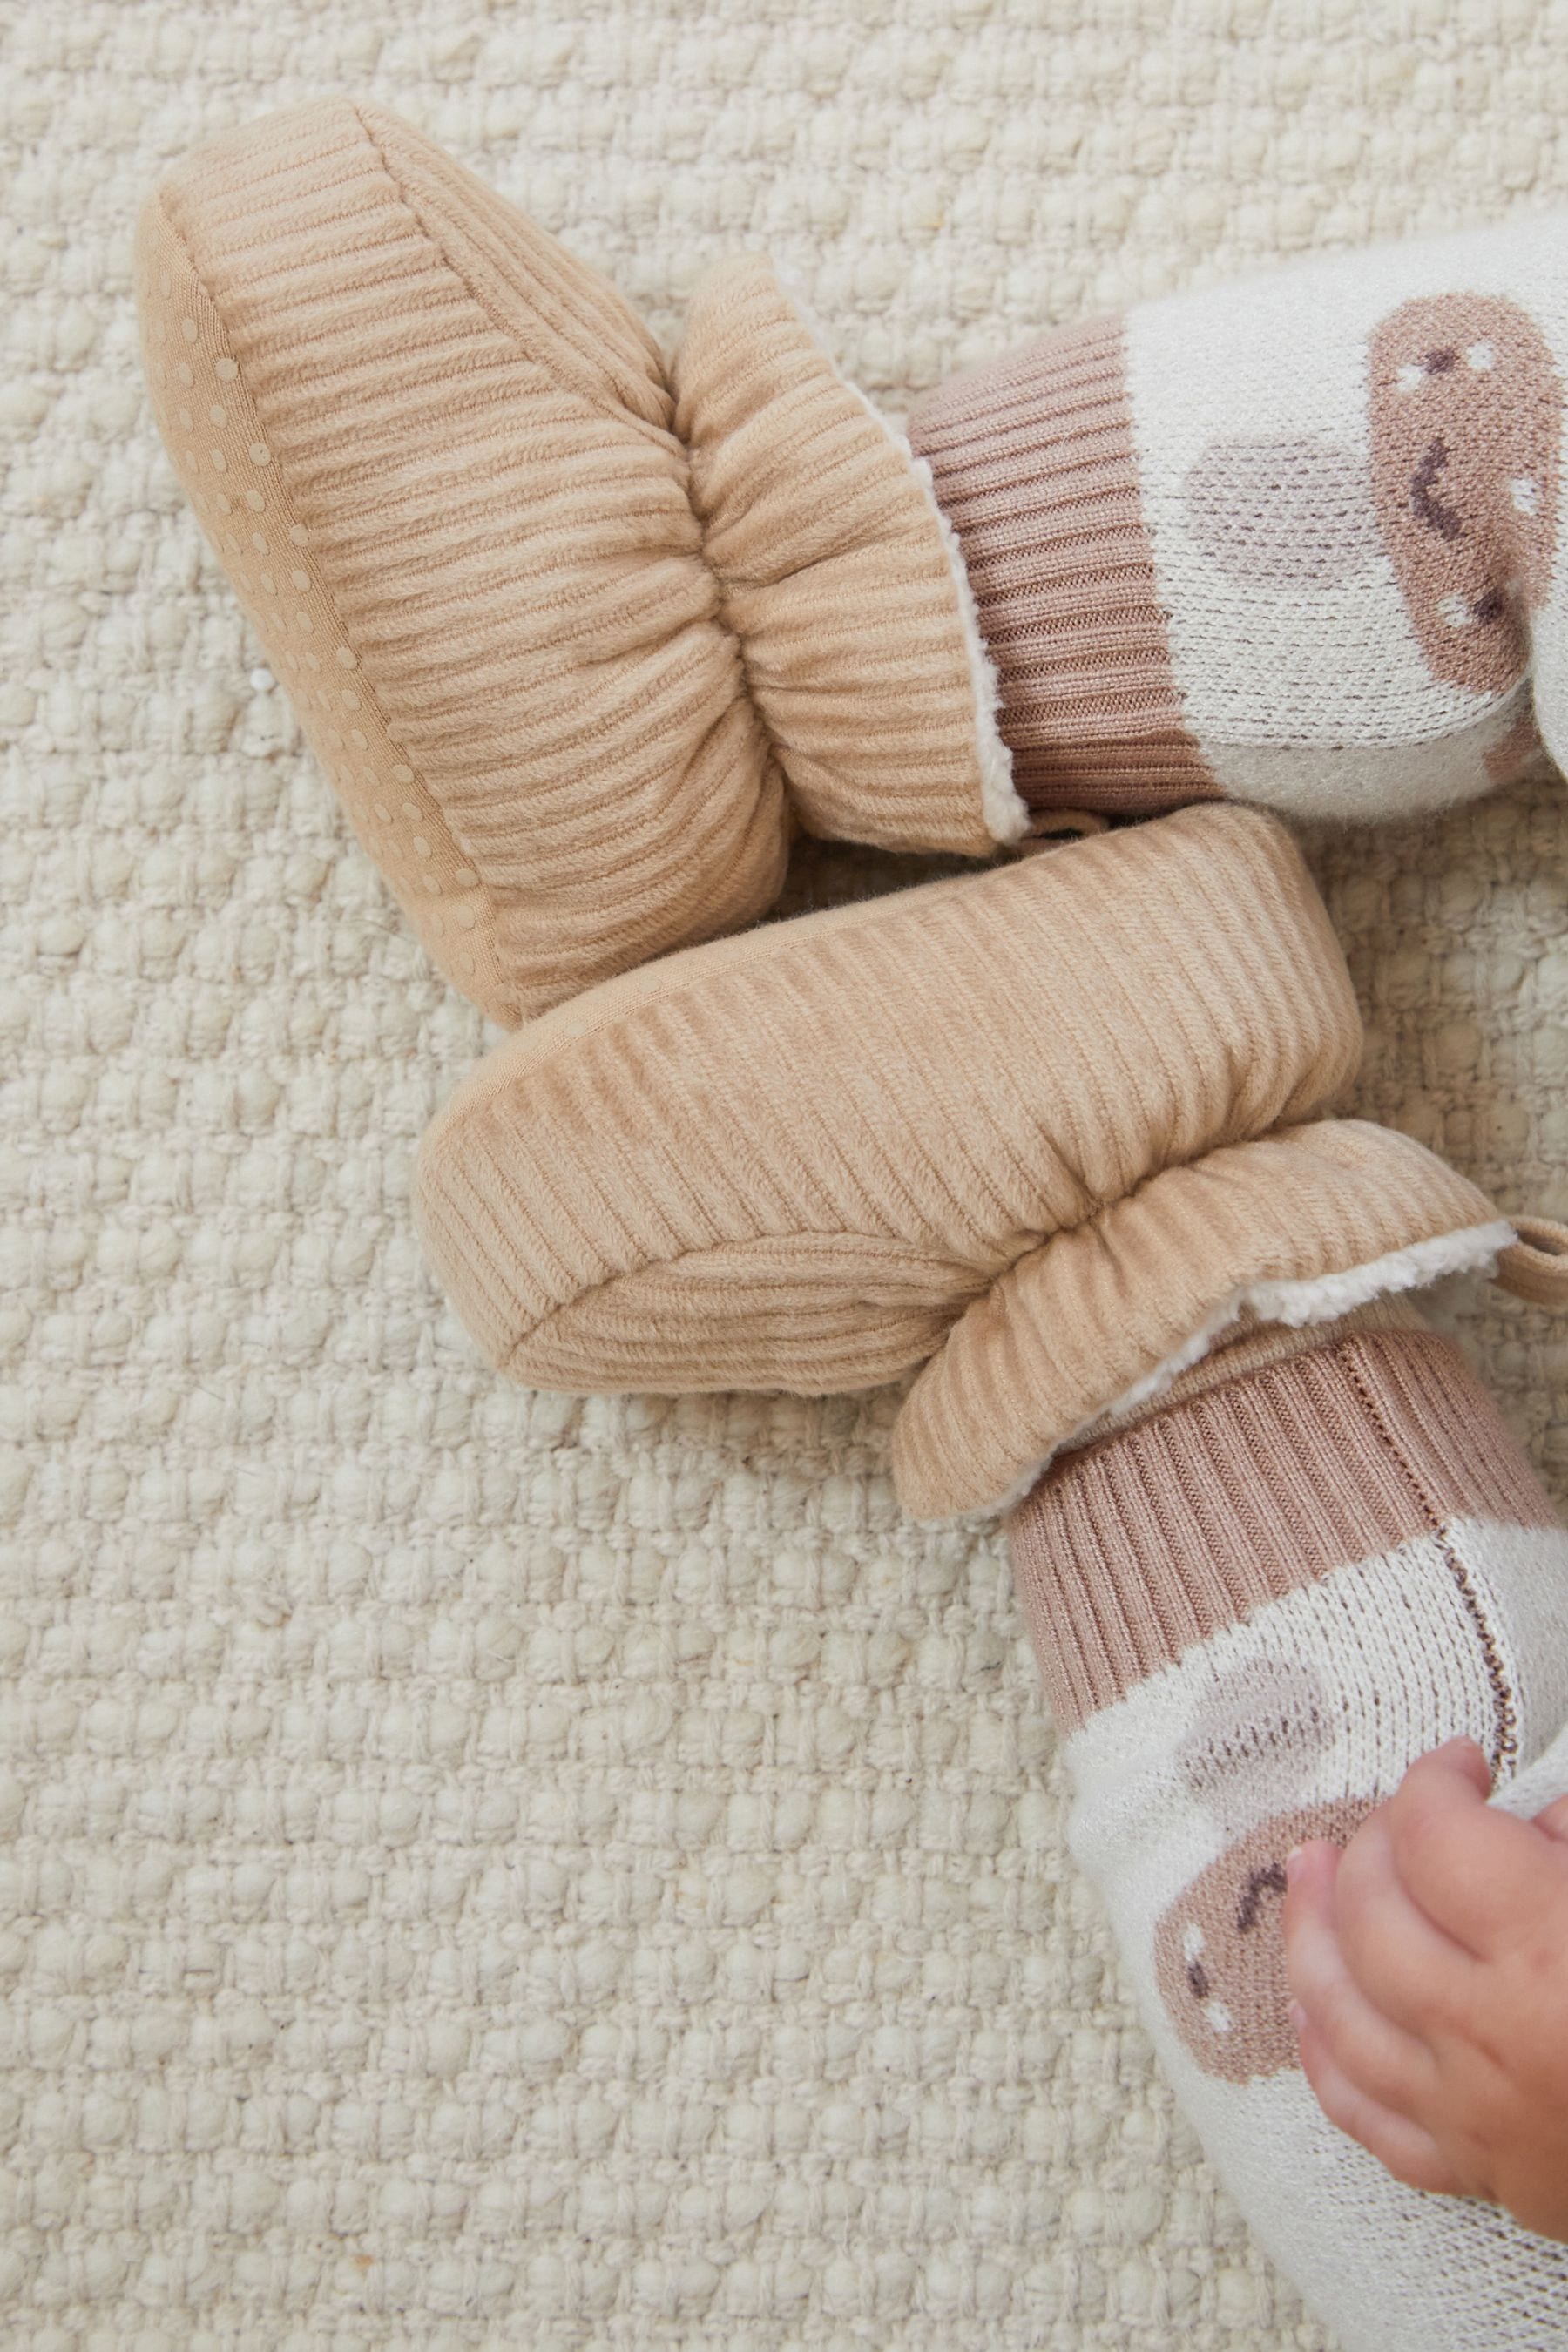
490, 1870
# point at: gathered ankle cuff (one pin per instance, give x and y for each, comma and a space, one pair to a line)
842, 580
1298, 1227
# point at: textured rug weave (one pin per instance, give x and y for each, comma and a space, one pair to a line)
483, 1869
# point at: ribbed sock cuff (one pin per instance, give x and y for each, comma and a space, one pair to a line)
1035, 466
1131, 1550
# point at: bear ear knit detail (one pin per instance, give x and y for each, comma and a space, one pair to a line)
615, 629
1291, 516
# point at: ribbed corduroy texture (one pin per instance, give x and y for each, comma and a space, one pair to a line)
836, 582
1034, 465
479, 437
789, 1160
792, 1160
477, 445
1080, 1321
1130, 1551
251, 509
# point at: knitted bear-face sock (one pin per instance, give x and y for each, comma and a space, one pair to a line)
1297, 540
579, 636
1253, 1610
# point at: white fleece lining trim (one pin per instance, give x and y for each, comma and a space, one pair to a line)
1318, 1298
1005, 814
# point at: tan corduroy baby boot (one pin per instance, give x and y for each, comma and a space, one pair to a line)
579, 636
1054, 1128
1297, 541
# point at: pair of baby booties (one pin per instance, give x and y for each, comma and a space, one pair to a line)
583, 638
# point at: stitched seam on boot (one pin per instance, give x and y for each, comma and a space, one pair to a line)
620, 416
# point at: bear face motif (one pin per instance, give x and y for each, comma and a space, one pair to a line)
1258, 1736
1219, 1955
1465, 417
1290, 516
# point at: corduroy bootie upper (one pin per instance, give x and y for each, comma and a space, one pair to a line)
579, 636
1044, 1127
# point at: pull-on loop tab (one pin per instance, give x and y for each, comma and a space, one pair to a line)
1535, 1267
1049, 828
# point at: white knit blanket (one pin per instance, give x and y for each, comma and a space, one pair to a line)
485, 1869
